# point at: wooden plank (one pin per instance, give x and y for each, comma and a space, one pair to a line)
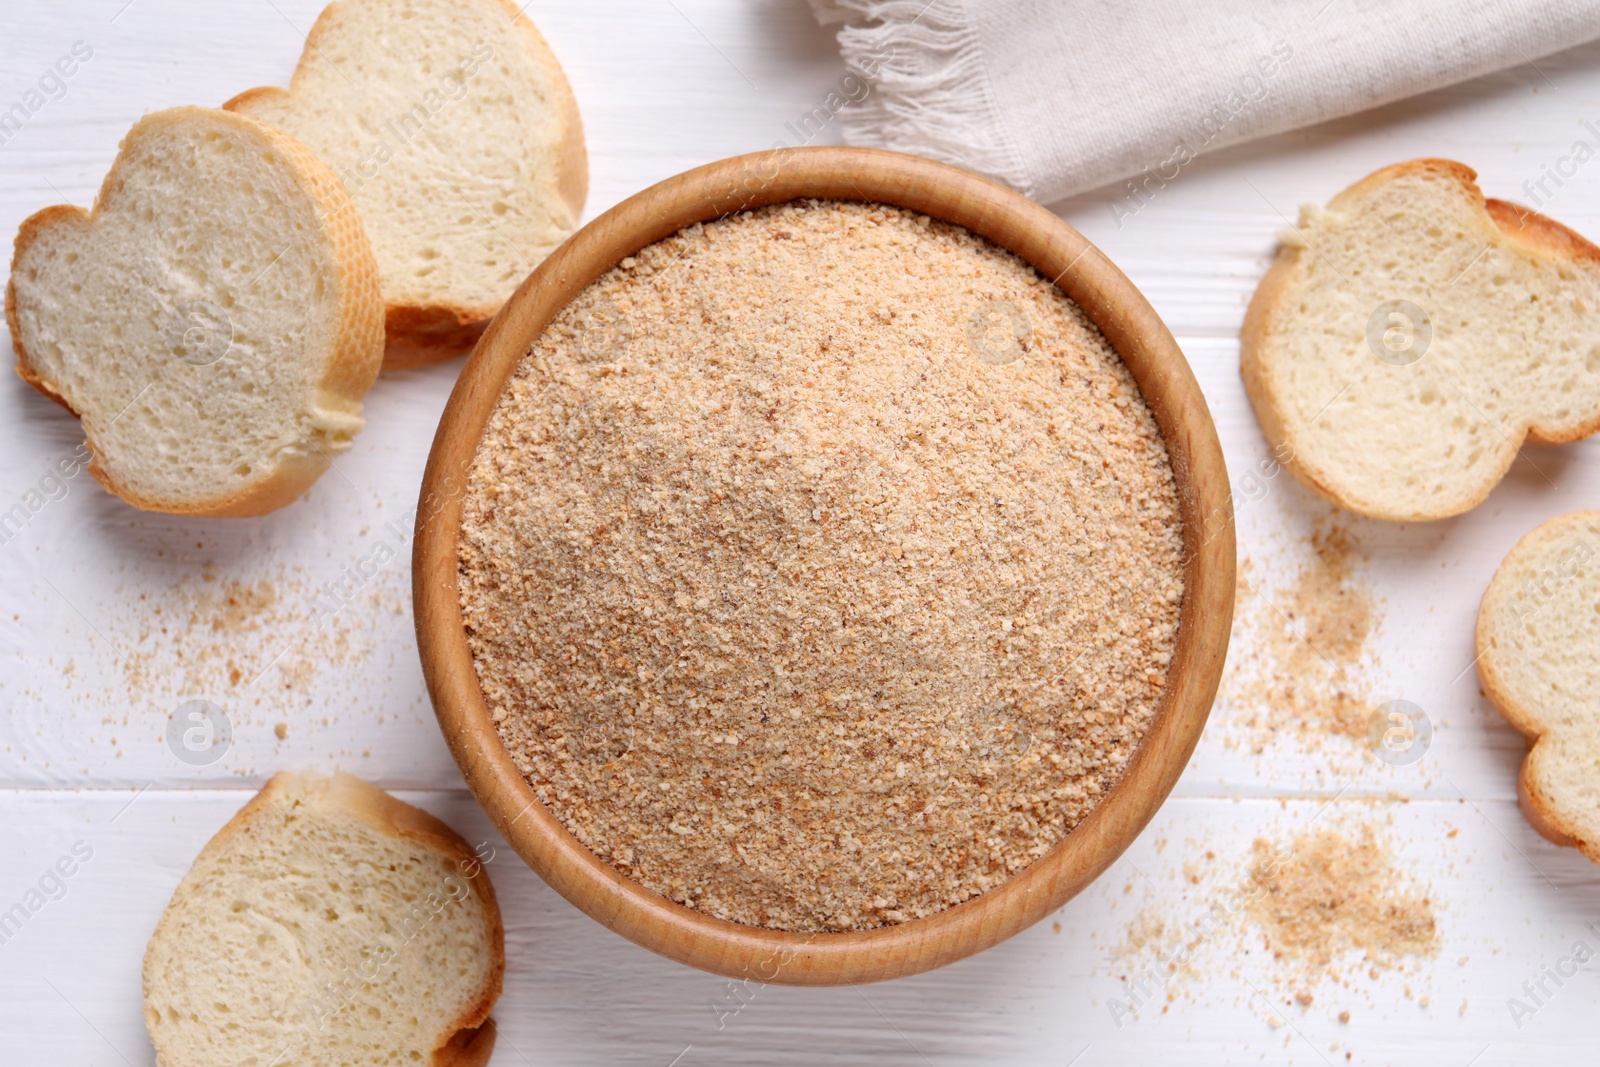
1507, 904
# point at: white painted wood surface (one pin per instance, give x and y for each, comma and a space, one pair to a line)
107, 617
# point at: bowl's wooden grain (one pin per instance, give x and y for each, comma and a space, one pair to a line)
1128, 322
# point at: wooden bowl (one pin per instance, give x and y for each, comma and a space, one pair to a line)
1128, 322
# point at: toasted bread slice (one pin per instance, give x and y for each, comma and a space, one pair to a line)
327, 924
1538, 641
1411, 335
214, 321
453, 127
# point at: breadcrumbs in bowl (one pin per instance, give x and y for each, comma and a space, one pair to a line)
702, 470
821, 566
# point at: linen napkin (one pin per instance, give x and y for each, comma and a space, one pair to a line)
1054, 97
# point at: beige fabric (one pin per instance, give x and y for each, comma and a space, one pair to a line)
1057, 98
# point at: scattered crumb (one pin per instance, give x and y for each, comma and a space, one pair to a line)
219, 637
1299, 654
1329, 897
282, 730
252, 637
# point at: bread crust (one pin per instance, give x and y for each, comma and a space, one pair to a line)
469, 1040
420, 334
469, 1048
1534, 232
1542, 811
347, 374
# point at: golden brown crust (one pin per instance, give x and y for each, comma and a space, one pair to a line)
1538, 234
1540, 811
1444, 168
1543, 815
417, 334
242, 102
348, 373
358, 347
468, 1048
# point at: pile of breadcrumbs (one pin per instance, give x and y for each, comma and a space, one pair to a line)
1330, 896
821, 566
1303, 649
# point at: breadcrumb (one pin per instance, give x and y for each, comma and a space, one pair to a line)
821, 566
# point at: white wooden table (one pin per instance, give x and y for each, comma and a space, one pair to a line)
107, 621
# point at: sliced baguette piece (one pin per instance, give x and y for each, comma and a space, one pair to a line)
327, 924
453, 127
1538, 647
1419, 420
214, 321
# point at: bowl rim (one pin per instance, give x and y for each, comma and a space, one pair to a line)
1130, 324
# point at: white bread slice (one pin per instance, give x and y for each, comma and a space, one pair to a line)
453, 127
214, 321
1512, 301
1538, 639
327, 924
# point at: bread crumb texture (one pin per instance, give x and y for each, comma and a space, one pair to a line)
821, 566
1341, 919
1302, 657
1329, 901
267, 642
